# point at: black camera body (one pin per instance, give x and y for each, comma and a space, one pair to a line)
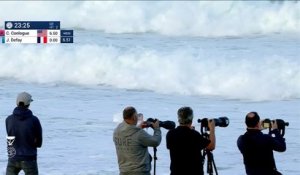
221, 122
281, 124
165, 124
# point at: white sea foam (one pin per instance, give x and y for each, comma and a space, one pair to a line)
168, 18
179, 71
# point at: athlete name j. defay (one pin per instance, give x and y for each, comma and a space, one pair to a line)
14, 40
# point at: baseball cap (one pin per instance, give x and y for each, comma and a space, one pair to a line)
25, 98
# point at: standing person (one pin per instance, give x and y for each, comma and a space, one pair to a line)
132, 144
185, 145
257, 148
24, 136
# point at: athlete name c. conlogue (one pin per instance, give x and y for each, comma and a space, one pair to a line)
22, 33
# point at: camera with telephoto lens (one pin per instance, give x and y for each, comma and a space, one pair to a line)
281, 124
165, 124
221, 122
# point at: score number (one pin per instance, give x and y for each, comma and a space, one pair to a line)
54, 40
53, 33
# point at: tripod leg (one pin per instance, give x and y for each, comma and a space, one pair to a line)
155, 158
215, 167
213, 163
209, 163
154, 173
209, 168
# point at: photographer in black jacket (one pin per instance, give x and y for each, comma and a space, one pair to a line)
186, 145
24, 136
257, 148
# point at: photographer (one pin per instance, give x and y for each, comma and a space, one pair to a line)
185, 145
132, 143
257, 148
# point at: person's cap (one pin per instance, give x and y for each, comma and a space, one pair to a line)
25, 98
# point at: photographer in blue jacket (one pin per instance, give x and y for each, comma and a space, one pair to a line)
24, 136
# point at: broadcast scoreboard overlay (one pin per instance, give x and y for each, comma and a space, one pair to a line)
35, 32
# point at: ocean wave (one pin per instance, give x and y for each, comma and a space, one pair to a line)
208, 19
176, 72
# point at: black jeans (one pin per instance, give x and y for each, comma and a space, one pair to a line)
29, 167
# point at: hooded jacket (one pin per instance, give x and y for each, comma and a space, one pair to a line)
27, 130
132, 148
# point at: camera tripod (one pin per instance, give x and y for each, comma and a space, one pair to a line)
211, 165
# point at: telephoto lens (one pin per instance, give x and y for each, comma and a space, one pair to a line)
165, 124
281, 123
221, 121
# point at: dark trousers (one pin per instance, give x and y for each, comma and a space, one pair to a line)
29, 167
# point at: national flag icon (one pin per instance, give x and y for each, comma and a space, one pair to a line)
42, 36
42, 33
2, 33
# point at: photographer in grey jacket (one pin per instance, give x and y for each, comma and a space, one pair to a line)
132, 144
